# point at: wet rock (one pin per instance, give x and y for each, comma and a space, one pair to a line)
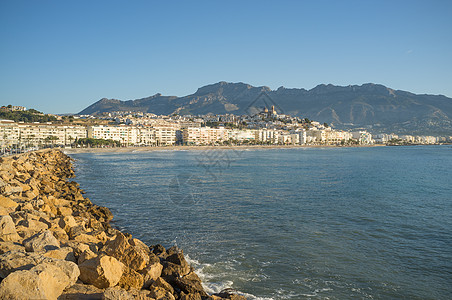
102, 271
190, 284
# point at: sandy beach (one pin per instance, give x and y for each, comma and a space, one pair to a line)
172, 148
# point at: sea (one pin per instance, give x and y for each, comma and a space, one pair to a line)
296, 223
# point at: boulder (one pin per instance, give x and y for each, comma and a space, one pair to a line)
64, 211
7, 229
43, 241
33, 224
150, 273
102, 271
190, 284
80, 291
114, 293
7, 203
85, 255
67, 222
132, 256
130, 279
161, 283
44, 281
64, 253
10, 246
159, 293
190, 296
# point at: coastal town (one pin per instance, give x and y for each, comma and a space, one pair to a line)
128, 129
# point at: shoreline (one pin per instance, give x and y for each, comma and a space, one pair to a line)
200, 148
57, 244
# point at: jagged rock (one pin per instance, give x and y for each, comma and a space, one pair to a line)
190, 284
150, 273
10, 246
64, 253
7, 229
64, 211
41, 242
80, 291
130, 279
159, 293
161, 283
8, 204
15, 260
44, 281
190, 296
115, 293
58, 232
75, 231
92, 237
87, 254
121, 249
33, 224
228, 294
158, 249
175, 266
67, 222
102, 271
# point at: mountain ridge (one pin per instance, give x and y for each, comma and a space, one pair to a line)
371, 106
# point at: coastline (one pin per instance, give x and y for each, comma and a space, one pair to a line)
203, 148
56, 244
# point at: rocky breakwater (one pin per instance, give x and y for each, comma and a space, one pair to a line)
56, 244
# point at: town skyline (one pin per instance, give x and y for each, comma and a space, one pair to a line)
61, 56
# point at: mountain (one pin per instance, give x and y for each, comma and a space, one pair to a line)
371, 106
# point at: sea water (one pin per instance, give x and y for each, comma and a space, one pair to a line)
299, 223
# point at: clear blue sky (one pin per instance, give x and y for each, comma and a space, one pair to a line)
61, 56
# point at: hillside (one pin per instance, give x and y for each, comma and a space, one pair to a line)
371, 106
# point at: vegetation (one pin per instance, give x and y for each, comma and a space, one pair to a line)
97, 142
28, 116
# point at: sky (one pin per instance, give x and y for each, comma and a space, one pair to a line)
62, 56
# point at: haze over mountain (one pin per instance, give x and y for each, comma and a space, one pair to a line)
371, 106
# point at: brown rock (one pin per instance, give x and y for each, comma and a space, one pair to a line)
102, 271
159, 293
130, 279
64, 253
150, 273
161, 283
85, 255
121, 249
190, 284
80, 291
10, 246
190, 297
44, 281
43, 241
67, 222
64, 211
7, 203
114, 293
7, 229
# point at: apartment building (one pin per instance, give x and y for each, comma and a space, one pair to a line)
204, 135
12, 133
